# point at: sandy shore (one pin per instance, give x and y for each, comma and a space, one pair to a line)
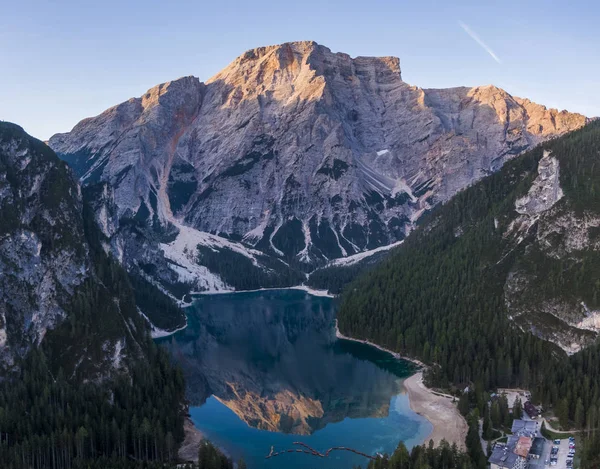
447, 422
188, 451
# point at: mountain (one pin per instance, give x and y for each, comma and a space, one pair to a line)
51, 272
76, 359
293, 151
532, 230
499, 287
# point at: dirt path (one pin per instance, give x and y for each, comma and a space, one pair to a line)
552, 429
443, 414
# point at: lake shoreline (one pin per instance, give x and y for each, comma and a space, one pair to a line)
440, 411
447, 422
157, 333
188, 451
305, 288
396, 355
193, 436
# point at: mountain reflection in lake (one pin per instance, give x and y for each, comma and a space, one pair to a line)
272, 358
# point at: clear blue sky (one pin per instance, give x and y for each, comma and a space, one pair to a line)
64, 60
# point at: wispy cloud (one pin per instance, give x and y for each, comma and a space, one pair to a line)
479, 41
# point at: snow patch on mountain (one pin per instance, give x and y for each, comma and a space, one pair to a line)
277, 251
400, 187
257, 233
188, 235
3, 335
304, 255
157, 332
117, 354
183, 256
592, 320
337, 238
350, 260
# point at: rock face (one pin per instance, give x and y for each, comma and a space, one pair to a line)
545, 190
556, 233
522, 246
42, 258
551, 232
46, 268
302, 153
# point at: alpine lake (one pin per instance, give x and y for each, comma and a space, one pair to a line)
265, 369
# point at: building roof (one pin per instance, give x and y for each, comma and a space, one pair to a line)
537, 446
503, 457
523, 446
530, 409
524, 427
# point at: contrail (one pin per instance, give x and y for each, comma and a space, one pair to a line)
478, 40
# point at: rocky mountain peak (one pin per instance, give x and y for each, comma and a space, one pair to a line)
286, 52
300, 152
310, 52
172, 92
298, 70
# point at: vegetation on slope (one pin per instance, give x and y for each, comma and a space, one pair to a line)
442, 457
440, 296
71, 401
50, 418
160, 308
52, 421
334, 278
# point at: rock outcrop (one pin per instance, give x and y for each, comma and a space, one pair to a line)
551, 232
48, 276
42, 255
545, 190
302, 153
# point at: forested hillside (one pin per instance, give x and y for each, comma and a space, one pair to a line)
444, 296
334, 278
92, 386
442, 457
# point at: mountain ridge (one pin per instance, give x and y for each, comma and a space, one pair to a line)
301, 153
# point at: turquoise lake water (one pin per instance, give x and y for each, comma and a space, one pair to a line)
264, 369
